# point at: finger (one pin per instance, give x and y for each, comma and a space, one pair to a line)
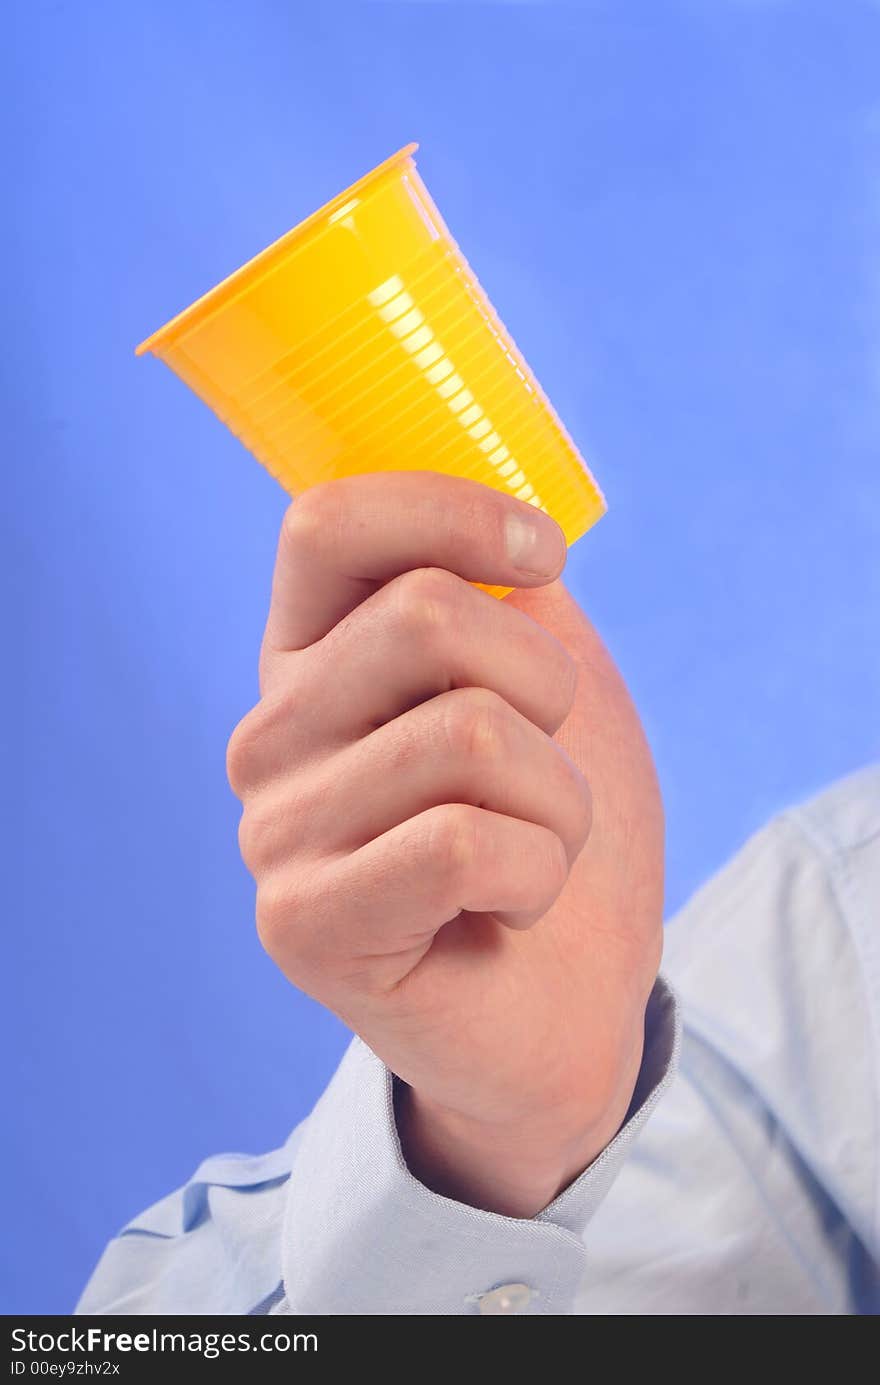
343, 538
465, 746
423, 634
389, 899
452, 859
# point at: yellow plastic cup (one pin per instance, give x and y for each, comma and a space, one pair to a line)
362, 341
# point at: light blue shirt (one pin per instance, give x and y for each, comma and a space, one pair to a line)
746, 1179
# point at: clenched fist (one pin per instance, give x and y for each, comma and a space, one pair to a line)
453, 821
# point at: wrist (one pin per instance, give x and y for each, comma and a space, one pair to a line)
516, 1170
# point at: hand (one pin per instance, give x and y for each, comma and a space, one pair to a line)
453, 820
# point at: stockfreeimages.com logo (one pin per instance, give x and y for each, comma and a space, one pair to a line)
98, 1342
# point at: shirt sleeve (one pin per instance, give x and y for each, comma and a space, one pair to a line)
212, 1246
776, 962
755, 1189
362, 1236
334, 1222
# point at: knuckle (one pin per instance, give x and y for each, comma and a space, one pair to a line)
248, 846
260, 743
241, 754
279, 910
476, 723
273, 827
257, 838
452, 843
426, 599
308, 519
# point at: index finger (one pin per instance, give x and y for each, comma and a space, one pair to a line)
343, 539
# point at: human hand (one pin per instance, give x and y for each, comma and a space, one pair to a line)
452, 817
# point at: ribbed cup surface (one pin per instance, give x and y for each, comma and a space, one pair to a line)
362, 341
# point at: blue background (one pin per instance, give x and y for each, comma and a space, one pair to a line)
674, 207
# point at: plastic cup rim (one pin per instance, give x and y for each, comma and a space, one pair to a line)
244, 278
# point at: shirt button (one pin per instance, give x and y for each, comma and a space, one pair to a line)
508, 1299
